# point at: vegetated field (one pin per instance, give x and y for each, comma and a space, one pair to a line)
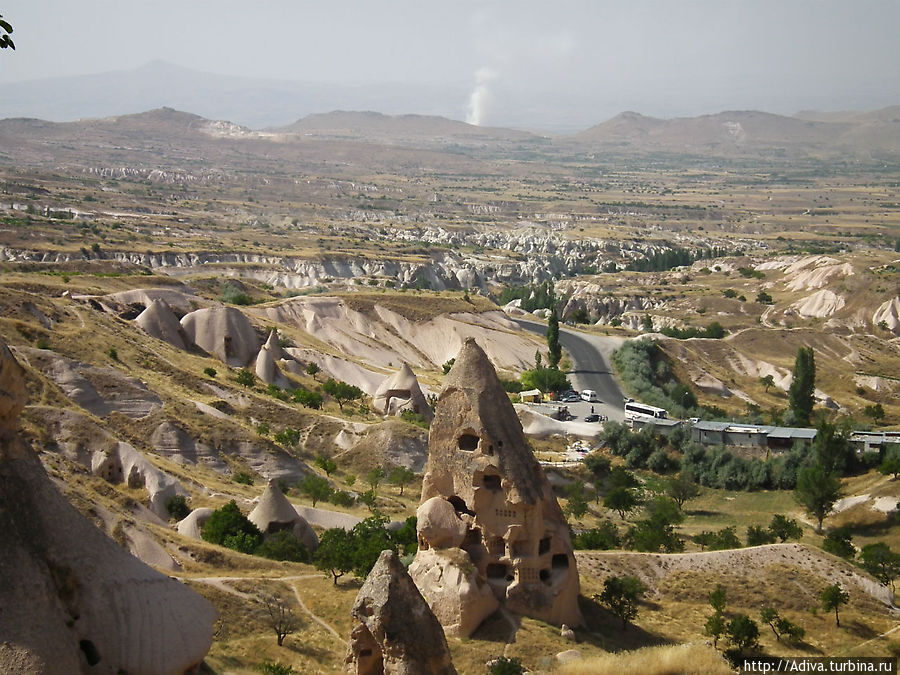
420, 232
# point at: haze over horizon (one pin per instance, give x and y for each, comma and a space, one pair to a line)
502, 63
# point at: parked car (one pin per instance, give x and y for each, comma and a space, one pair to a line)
590, 395
570, 398
592, 418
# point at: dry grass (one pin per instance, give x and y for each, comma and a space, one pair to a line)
687, 659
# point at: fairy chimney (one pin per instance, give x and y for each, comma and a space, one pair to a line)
399, 392
275, 513
396, 633
73, 600
515, 533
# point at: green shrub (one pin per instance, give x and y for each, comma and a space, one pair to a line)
274, 668
242, 477
307, 398
211, 372
414, 418
245, 378
177, 507
233, 296
229, 527
506, 666
283, 546
112, 353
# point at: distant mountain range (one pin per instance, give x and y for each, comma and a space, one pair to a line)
872, 136
255, 103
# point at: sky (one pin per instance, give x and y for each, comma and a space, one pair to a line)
665, 58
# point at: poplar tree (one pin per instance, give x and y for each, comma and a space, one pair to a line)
802, 390
554, 350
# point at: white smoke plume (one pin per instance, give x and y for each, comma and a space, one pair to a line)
480, 95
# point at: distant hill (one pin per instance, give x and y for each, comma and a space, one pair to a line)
751, 132
369, 125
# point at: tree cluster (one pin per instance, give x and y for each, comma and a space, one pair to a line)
341, 551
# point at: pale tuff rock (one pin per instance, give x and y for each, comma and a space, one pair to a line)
74, 601
224, 332
401, 392
889, 313
12, 388
275, 513
193, 522
458, 593
159, 321
267, 362
440, 524
397, 633
516, 535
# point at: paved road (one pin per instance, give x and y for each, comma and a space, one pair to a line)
590, 368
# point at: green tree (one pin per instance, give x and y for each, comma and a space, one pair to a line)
839, 542
312, 368
817, 491
876, 412
714, 627
545, 379
682, 488
757, 536
767, 381
622, 500
341, 391
743, 633
785, 528
891, 462
335, 553
577, 504
283, 545
780, 626
622, 477
657, 530
554, 349
621, 595
715, 623
401, 476
881, 562
832, 598
316, 488
603, 537
327, 464
5, 29
370, 538
228, 527
374, 478
801, 393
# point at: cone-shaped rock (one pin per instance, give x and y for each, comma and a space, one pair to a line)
159, 321
273, 347
275, 513
401, 392
397, 632
73, 600
224, 332
516, 535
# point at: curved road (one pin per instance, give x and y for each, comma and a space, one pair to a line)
590, 362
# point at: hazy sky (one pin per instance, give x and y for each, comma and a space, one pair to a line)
659, 57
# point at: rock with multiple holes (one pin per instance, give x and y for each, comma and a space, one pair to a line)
516, 540
396, 633
73, 600
399, 392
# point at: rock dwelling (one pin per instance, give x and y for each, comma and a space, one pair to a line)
490, 529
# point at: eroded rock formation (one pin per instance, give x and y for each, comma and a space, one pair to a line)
515, 540
401, 392
224, 332
275, 513
74, 601
397, 633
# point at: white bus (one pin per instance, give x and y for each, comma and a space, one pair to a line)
634, 409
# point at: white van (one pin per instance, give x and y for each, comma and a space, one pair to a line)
589, 395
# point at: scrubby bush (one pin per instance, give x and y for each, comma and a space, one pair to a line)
603, 537
229, 527
283, 546
245, 378
243, 477
211, 372
177, 507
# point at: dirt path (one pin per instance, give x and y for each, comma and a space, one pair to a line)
220, 583
514, 623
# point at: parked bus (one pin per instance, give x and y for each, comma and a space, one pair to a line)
634, 409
